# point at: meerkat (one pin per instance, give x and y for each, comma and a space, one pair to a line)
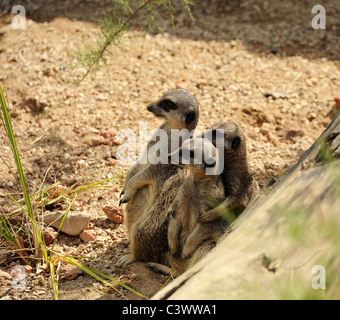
180, 110
201, 191
240, 186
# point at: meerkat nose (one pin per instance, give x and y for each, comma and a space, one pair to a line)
149, 107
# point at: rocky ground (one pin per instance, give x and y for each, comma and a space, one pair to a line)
257, 63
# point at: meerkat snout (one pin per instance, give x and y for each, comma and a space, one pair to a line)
198, 155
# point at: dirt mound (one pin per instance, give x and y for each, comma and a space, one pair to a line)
247, 63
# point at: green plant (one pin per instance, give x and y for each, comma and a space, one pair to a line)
13, 234
114, 24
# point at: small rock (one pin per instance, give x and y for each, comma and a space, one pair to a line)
106, 141
111, 162
68, 272
233, 43
337, 102
272, 139
266, 128
309, 83
114, 213
27, 268
293, 133
49, 235
10, 184
117, 143
107, 154
201, 82
73, 224
110, 133
66, 158
96, 142
88, 235
180, 85
94, 130
276, 95
311, 116
47, 72
102, 97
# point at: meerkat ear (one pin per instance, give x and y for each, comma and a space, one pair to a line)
190, 117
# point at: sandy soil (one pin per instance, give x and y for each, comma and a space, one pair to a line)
258, 63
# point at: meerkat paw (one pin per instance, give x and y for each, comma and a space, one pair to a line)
187, 252
125, 260
207, 216
126, 243
160, 268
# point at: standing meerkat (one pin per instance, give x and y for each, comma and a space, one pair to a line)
201, 191
240, 186
180, 110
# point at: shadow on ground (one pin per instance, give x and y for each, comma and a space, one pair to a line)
270, 27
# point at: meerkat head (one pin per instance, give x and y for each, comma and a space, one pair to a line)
179, 109
199, 156
232, 138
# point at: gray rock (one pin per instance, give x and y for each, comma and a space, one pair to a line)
73, 224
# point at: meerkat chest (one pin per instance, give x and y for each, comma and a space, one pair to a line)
192, 205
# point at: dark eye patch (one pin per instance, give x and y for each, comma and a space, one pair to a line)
192, 154
167, 105
190, 117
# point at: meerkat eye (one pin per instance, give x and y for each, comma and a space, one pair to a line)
167, 105
236, 142
190, 117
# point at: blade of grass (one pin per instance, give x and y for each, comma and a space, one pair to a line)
35, 228
5, 231
6, 120
54, 282
81, 189
98, 275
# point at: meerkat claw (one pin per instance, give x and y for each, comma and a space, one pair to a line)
123, 200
